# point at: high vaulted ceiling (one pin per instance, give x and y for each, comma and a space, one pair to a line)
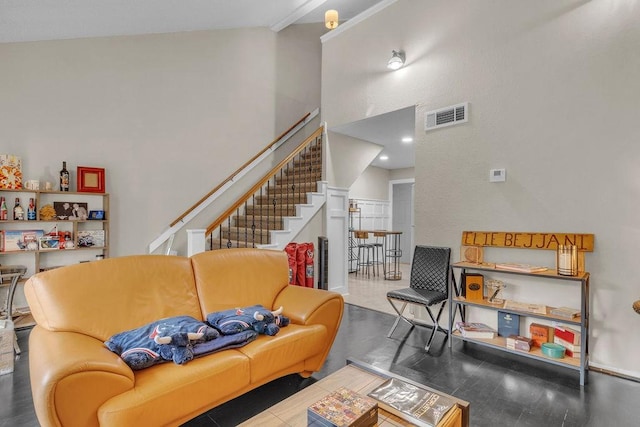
31, 20
35, 20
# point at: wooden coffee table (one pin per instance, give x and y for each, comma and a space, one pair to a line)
359, 377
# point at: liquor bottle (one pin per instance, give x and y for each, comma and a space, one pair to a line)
31, 210
4, 213
18, 212
64, 178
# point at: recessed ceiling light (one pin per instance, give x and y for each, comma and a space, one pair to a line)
407, 139
384, 157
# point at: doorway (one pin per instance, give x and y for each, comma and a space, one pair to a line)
401, 195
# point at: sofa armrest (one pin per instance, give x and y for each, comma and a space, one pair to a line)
301, 304
308, 306
72, 375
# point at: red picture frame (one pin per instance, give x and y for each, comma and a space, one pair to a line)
90, 180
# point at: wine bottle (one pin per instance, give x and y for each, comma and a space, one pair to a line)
18, 212
31, 210
64, 178
4, 213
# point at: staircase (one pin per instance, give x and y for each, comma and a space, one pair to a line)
272, 213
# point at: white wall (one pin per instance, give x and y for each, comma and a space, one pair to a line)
372, 184
553, 94
168, 116
347, 158
405, 173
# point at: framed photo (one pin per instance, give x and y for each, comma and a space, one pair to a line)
90, 180
72, 211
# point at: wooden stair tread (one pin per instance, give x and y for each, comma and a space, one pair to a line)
279, 198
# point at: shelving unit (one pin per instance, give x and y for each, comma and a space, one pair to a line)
38, 259
459, 303
473, 246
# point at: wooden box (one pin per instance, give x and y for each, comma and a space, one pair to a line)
473, 286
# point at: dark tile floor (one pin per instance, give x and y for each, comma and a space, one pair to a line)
503, 390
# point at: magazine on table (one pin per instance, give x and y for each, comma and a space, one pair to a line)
412, 403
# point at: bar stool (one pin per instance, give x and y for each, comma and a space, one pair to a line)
379, 251
365, 252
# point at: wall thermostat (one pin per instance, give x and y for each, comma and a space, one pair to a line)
497, 175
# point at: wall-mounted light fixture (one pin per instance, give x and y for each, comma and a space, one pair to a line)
396, 61
331, 19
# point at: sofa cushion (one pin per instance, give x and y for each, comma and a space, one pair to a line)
102, 298
167, 392
291, 346
234, 278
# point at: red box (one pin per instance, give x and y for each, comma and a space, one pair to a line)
569, 335
571, 350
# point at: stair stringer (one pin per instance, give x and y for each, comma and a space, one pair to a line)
294, 224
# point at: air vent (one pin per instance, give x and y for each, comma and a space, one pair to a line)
446, 116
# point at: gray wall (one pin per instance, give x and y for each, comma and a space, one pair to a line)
553, 94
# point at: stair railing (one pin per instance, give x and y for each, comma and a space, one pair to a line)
284, 186
176, 225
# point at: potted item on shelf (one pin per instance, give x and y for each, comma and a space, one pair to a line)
47, 213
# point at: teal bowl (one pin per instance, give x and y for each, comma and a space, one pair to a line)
553, 350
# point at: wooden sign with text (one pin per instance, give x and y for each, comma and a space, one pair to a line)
523, 240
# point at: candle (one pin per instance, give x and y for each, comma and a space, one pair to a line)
567, 261
564, 263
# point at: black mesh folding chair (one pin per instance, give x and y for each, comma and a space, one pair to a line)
428, 286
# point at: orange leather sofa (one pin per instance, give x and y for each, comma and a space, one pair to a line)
77, 381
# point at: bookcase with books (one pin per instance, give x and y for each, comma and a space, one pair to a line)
571, 325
